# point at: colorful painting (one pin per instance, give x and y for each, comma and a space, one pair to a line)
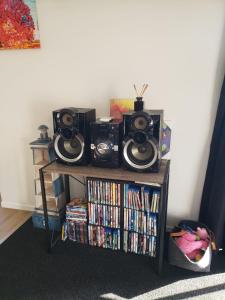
18, 24
120, 106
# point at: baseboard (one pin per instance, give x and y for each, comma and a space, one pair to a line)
16, 205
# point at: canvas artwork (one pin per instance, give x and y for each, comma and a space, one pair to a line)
18, 24
120, 106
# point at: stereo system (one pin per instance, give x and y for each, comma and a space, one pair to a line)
136, 141
106, 140
72, 134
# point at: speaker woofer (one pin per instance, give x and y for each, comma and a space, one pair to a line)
69, 150
140, 156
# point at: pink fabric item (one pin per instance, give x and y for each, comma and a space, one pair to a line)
202, 233
189, 236
187, 246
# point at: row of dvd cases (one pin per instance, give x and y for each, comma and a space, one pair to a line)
123, 216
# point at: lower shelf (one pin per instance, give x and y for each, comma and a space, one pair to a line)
93, 235
99, 236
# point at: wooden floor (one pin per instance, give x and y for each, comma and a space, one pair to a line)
11, 220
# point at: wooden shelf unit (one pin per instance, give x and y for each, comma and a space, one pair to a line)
42, 155
159, 180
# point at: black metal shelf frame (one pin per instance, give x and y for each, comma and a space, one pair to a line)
51, 240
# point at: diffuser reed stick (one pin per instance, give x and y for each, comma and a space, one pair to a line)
143, 89
135, 90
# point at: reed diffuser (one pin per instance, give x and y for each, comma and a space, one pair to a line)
139, 104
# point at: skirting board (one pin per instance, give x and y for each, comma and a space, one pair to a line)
16, 205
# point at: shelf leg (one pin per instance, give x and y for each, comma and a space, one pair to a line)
44, 201
163, 216
67, 188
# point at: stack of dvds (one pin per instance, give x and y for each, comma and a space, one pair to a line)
103, 192
76, 232
104, 237
140, 221
76, 210
139, 243
75, 226
104, 215
141, 207
141, 198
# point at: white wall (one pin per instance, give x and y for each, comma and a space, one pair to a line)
95, 50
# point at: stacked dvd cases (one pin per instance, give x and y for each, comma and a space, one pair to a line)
140, 221
103, 192
104, 215
104, 199
139, 243
143, 198
75, 226
141, 207
77, 232
104, 237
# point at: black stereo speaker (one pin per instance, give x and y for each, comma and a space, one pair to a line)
106, 143
142, 140
72, 134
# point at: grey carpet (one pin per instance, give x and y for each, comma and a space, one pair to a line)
75, 271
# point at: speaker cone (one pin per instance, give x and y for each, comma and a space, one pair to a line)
141, 121
67, 119
69, 150
140, 156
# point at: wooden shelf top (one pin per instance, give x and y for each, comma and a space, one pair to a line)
105, 173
